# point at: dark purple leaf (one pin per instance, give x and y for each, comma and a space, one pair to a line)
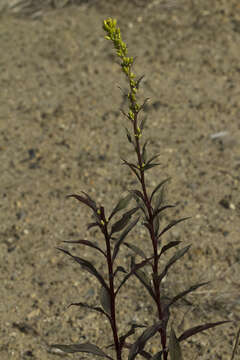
95, 308
88, 201
137, 194
174, 347
162, 208
169, 246
122, 204
158, 187
119, 268
87, 243
156, 225
149, 166
142, 123
157, 356
122, 237
123, 338
136, 249
105, 300
87, 348
144, 152
129, 136
91, 225
172, 223
142, 277
236, 344
133, 168
86, 265
173, 259
185, 292
136, 267
152, 158
196, 329
139, 345
120, 224
138, 84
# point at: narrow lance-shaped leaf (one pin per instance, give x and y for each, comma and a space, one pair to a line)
120, 224
152, 158
123, 338
86, 348
144, 151
122, 204
133, 168
236, 345
87, 266
149, 166
95, 308
136, 249
128, 136
105, 300
185, 292
140, 343
174, 346
122, 237
119, 268
87, 243
146, 283
171, 224
158, 187
161, 209
196, 329
169, 246
87, 201
136, 267
173, 259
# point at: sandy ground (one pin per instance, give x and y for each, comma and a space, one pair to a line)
61, 132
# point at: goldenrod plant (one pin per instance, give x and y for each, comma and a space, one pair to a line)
147, 210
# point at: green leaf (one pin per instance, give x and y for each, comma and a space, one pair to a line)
87, 266
87, 243
174, 346
122, 204
86, 347
122, 237
120, 224
140, 343
173, 259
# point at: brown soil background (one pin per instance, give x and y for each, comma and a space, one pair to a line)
62, 132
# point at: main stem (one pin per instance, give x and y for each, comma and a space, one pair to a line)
111, 289
152, 235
